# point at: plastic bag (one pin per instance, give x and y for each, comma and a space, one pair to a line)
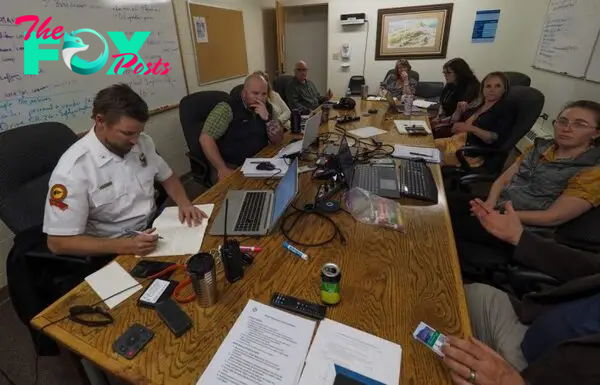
372, 209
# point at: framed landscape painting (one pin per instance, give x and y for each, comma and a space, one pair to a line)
413, 32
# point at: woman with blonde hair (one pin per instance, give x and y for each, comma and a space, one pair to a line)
281, 111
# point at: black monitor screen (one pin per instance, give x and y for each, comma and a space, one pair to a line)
346, 161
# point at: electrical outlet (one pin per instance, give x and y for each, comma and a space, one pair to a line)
336, 56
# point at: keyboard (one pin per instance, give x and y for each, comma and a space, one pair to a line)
416, 181
251, 211
366, 177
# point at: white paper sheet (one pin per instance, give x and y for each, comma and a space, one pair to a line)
430, 155
249, 168
423, 103
178, 238
265, 346
353, 349
110, 280
402, 124
367, 132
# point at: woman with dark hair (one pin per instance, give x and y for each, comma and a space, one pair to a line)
398, 82
486, 125
461, 86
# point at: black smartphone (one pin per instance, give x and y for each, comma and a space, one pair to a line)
145, 269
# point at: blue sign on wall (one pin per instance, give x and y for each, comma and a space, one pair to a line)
486, 24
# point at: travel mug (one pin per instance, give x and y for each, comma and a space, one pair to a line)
201, 269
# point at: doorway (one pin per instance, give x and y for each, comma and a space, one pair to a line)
306, 36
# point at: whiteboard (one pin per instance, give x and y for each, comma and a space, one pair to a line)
567, 41
593, 72
59, 94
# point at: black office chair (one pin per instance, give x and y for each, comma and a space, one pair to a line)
529, 104
429, 90
355, 84
280, 83
236, 92
518, 79
193, 111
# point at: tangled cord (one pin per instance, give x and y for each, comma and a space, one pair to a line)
298, 214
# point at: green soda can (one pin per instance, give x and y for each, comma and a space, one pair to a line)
330, 283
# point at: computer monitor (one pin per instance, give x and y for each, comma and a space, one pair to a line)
346, 161
285, 192
311, 130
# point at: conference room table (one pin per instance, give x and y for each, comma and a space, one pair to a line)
390, 282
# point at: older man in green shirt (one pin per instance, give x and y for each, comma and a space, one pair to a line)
301, 93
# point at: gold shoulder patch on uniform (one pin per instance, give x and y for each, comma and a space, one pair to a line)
58, 193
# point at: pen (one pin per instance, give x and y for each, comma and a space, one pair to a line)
251, 249
134, 232
419, 154
295, 251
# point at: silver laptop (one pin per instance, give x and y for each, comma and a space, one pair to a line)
311, 130
256, 212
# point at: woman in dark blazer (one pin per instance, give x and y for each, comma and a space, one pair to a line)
486, 125
461, 86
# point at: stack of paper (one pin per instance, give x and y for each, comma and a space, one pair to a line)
265, 346
178, 238
339, 353
402, 124
250, 168
430, 155
113, 284
367, 132
423, 103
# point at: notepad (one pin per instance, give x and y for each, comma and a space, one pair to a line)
114, 283
367, 132
250, 171
430, 155
178, 238
423, 103
402, 124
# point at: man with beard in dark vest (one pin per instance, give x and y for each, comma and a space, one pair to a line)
239, 128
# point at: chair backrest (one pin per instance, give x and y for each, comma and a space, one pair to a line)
429, 90
518, 78
28, 155
236, 91
529, 103
280, 83
193, 111
581, 232
355, 84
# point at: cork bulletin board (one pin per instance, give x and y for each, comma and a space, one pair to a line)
219, 43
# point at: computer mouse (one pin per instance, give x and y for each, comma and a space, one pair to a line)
265, 166
373, 111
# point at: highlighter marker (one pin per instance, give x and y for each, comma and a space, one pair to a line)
295, 251
251, 249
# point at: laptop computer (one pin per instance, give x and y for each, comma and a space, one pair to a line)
256, 212
311, 132
378, 178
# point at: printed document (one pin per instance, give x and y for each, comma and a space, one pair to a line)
177, 237
266, 346
401, 125
339, 345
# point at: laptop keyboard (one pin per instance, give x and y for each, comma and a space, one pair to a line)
366, 177
250, 213
416, 181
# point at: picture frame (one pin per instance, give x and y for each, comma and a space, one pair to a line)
419, 32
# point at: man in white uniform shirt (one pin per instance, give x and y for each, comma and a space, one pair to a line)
102, 189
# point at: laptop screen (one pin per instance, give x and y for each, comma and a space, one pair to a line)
346, 161
311, 130
285, 192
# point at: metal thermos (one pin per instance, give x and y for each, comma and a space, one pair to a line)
325, 116
296, 122
364, 91
201, 269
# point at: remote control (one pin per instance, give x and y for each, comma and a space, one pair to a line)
132, 341
298, 306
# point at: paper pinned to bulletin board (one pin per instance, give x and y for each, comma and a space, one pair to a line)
486, 25
200, 28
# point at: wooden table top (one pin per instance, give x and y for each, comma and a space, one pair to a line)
390, 282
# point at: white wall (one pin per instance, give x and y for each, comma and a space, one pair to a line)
306, 36
165, 128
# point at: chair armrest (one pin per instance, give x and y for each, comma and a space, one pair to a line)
43, 252
477, 151
524, 280
478, 178
196, 160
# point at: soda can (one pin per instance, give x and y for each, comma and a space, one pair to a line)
364, 91
331, 276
